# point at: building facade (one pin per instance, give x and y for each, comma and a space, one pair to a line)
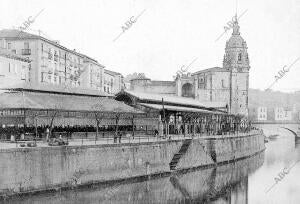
52, 63
113, 82
227, 84
262, 113
14, 69
283, 114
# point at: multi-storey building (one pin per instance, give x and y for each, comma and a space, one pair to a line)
228, 84
283, 113
52, 63
113, 82
14, 69
262, 113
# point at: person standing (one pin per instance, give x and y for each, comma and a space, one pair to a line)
120, 136
47, 134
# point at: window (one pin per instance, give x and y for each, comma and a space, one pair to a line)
26, 45
223, 84
23, 73
104, 89
9, 67
201, 82
42, 46
55, 56
49, 54
8, 45
240, 57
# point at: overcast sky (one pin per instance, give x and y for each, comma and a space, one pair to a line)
169, 34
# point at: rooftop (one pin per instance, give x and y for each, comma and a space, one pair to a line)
51, 88
213, 69
112, 72
175, 100
50, 101
19, 35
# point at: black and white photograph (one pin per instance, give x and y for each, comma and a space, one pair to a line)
151, 102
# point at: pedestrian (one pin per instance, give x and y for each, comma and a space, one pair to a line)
47, 134
120, 136
115, 137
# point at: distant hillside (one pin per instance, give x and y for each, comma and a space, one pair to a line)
271, 99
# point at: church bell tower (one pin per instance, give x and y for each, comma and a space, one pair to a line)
236, 60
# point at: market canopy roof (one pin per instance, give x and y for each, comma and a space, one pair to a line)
50, 101
52, 88
179, 108
173, 100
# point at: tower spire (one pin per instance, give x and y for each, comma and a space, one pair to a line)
236, 27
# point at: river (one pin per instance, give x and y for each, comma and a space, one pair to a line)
268, 177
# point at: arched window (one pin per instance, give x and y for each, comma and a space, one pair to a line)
223, 84
187, 90
240, 57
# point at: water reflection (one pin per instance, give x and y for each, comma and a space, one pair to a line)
242, 182
226, 183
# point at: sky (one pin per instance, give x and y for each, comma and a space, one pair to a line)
169, 34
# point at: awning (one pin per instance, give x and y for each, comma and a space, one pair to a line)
179, 108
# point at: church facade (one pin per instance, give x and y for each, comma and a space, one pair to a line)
228, 84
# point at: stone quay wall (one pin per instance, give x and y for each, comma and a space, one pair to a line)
31, 170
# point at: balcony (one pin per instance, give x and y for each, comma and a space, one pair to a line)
26, 51
55, 57
50, 56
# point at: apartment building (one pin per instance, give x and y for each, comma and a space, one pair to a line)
113, 82
52, 63
262, 113
14, 69
283, 113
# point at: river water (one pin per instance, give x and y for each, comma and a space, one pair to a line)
269, 177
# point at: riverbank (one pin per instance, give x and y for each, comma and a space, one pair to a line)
32, 170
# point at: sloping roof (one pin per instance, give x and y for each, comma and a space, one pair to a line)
213, 69
161, 83
17, 34
111, 72
47, 101
177, 108
51, 88
176, 100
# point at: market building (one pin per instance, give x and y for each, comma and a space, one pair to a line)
183, 116
72, 113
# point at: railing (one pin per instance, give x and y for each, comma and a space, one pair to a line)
90, 138
26, 51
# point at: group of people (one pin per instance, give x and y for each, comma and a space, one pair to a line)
212, 127
117, 136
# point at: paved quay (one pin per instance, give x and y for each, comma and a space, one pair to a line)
124, 140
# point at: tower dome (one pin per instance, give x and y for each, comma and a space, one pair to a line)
236, 40
236, 55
